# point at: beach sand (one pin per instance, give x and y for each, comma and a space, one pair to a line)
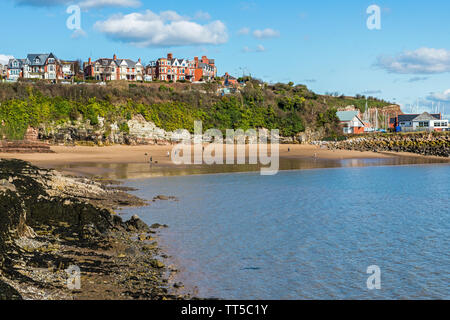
100, 161
137, 154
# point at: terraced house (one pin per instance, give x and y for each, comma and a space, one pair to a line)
170, 69
106, 69
175, 69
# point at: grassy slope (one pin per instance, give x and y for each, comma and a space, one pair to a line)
289, 108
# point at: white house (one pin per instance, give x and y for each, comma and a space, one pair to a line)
428, 122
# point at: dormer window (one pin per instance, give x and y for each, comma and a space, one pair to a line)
37, 60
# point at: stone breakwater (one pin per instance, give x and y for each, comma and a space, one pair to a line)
49, 222
428, 144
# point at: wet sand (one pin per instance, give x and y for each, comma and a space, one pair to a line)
133, 161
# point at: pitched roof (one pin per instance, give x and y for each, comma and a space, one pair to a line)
42, 58
425, 117
130, 63
105, 61
411, 117
345, 116
21, 62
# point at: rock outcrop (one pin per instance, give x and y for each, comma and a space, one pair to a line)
49, 221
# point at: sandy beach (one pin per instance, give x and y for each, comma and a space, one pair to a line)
101, 161
137, 154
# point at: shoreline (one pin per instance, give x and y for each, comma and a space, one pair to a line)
51, 223
129, 162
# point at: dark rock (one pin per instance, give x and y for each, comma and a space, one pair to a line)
136, 224
158, 226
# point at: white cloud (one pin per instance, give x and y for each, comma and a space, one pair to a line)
417, 79
4, 58
80, 33
266, 33
244, 31
201, 15
420, 61
88, 4
167, 29
440, 96
259, 48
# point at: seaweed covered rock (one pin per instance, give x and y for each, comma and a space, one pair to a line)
429, 144
49, 222
56, 200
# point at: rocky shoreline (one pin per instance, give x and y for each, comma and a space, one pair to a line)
51, 223
427, 144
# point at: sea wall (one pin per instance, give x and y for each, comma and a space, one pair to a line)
429, 144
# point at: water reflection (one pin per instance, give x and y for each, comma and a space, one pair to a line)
144, 170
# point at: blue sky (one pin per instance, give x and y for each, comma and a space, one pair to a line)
323, 44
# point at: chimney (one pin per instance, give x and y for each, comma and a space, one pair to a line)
90, 61
115, 57
169, 56
139, 60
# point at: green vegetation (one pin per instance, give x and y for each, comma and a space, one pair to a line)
287, 107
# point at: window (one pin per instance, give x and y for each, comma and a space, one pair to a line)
51, 60
423, 124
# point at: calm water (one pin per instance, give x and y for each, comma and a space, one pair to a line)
307, 234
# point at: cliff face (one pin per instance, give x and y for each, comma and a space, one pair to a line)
138, 131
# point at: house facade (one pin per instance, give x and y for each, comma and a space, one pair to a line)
351, 122
14, 69
42, 66
106, 69
170, 69
175, 69
205, 69
69, 69
419, 122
